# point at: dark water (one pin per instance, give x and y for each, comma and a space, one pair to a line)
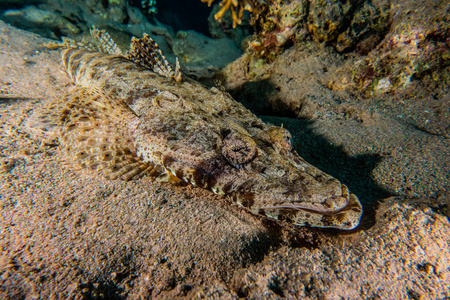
184, 15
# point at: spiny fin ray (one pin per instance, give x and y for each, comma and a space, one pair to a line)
106, 43
146, 52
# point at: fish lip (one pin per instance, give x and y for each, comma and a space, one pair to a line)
346, 194
309, 208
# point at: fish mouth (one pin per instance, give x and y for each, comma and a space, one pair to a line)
349, 201
308, 208
342, 211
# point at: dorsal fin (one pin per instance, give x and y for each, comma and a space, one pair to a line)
106, 43
70, 43
146, 52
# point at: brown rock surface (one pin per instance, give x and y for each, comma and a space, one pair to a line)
68, 234
394, 55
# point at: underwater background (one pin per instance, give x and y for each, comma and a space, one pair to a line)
363, 88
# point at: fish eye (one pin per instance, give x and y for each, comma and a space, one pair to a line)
238, 149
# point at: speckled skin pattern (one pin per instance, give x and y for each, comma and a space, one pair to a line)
125, 120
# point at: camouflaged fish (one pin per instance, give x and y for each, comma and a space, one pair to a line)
131, 115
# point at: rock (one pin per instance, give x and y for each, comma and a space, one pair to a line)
326, 19
278, 24
44, 22
413, 49
368, 25
193, 48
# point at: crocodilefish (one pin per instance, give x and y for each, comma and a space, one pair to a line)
132, 114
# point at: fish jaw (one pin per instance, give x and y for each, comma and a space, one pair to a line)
327, 204
323, 202
346, 217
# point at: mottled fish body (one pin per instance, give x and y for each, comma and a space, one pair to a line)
126, 119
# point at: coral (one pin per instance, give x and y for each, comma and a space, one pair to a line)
326, 19
149, 6
344, 24
414, 49
224, 28
367, 27
278, 24
236, 7
411, 54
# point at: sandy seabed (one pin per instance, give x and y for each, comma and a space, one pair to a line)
68, 234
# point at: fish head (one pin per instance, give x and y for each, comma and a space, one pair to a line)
256, 165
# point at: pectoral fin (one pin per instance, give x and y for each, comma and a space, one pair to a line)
94, 133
